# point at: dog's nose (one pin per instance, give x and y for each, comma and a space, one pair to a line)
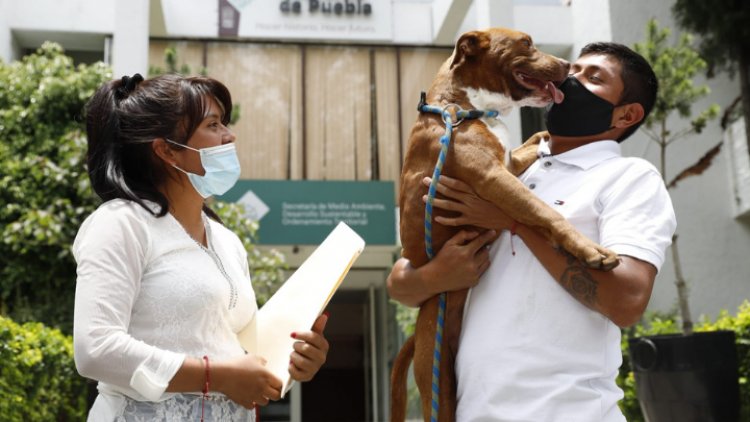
566, 65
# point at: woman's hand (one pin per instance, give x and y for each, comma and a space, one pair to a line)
473, 210
245, 380
310, 351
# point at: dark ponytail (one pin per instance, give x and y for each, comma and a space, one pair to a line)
124, 117
105, 148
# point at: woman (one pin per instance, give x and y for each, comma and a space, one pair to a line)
163, 287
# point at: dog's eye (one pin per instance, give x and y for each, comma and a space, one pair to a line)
526, 43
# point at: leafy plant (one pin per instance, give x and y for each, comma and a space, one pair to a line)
38, 379
44, 189
658, 324
724, 29
171, 59
675, 67
406, 318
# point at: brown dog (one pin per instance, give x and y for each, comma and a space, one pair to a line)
493, 69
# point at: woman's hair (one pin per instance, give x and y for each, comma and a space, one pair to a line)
123, 118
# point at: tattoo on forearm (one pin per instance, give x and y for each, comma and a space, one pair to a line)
578, 281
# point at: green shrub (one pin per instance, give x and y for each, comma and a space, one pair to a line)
44, 187
657, 324
38, 379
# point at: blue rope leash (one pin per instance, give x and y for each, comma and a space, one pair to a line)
445, 141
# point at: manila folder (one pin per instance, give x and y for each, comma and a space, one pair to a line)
300, 300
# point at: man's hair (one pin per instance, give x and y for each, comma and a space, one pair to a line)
639, 81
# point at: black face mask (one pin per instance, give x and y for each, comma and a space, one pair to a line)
582, 113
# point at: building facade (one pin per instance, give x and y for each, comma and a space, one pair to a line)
327, 91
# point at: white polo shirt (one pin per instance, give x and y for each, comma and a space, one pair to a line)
530, 352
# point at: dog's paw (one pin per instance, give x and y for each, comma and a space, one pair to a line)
610, 260
600, 258
587, 251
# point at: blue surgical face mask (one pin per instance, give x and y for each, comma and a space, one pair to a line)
222, 169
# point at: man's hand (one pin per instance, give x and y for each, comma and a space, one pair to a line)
472, 210
458, 265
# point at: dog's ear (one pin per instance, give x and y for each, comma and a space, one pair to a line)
469, 46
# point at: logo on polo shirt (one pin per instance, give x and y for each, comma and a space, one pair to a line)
559, 202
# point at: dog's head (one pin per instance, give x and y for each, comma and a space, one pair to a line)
506, 62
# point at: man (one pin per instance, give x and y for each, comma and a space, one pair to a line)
541, 332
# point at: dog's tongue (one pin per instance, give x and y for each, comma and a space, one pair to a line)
556, 94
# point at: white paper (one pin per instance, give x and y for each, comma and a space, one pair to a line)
300, 300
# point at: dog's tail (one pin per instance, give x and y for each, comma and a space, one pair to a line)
398, 380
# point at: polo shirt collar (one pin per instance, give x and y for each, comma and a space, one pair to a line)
585, 156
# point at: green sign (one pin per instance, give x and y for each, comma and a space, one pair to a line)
294, 212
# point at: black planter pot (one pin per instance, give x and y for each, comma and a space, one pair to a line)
690, 378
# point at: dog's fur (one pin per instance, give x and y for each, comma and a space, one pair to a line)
493, 69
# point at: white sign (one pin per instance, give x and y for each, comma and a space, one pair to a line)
356, 20
255, 208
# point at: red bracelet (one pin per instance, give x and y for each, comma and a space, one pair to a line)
205, 387
208, 376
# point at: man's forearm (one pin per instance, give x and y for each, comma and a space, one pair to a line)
620, 294
406, 284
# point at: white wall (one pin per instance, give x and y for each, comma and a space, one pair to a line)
5, 38
591, 22
714, 247
78, 22
191, 18
412, 23
547, 25
130, 40
55, 15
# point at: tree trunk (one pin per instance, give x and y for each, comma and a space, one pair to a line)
744, 70
682, 291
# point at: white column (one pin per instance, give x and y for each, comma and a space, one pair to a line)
447, 16
492, 13
6, 46
130, 38
591, 23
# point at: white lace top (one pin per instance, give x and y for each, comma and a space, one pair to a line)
147, 296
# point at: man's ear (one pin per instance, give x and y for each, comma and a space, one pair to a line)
469, 46
163, 151
627, 115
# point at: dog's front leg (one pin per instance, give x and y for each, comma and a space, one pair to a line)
523, 157
494, 183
